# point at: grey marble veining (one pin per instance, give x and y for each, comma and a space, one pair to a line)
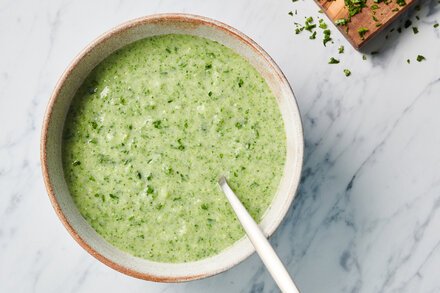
367, 214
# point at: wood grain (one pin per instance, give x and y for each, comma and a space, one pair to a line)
384, 14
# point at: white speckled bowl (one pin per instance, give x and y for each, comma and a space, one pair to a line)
59, 104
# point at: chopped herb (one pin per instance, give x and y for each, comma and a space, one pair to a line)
420, 58
347, 72
113, 196
415, 30
341, 49
362, 32
327, 37
157, 124
240, 82
333, 61
150, 189
342, 21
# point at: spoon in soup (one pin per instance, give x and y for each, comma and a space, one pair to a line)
260, 242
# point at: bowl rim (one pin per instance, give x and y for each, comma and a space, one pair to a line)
154, 18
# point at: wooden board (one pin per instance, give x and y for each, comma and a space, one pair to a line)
384, 14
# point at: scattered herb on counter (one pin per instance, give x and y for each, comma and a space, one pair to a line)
355, 7
333, 61
327, 37
341, 49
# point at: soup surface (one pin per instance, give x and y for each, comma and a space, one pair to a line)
149, 133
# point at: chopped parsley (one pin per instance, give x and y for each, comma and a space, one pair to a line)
341, 49
420, 58
327, 37
362, 32
401, 2
333, 61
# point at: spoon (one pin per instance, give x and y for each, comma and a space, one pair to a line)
261, 244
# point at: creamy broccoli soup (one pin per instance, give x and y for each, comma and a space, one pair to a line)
150, 131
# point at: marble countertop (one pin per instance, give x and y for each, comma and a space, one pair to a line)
367, 214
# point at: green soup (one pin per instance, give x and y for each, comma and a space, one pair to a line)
149, 133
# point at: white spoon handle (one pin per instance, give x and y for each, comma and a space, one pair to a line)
261, 244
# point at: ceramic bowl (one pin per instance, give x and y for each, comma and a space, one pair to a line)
58, 107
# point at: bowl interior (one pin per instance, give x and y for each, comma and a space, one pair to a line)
58, 108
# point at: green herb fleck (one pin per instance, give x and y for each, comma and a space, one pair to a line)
362, 32
157, 124
420, 58
327, 37
113, 196
341, 49
333, 61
